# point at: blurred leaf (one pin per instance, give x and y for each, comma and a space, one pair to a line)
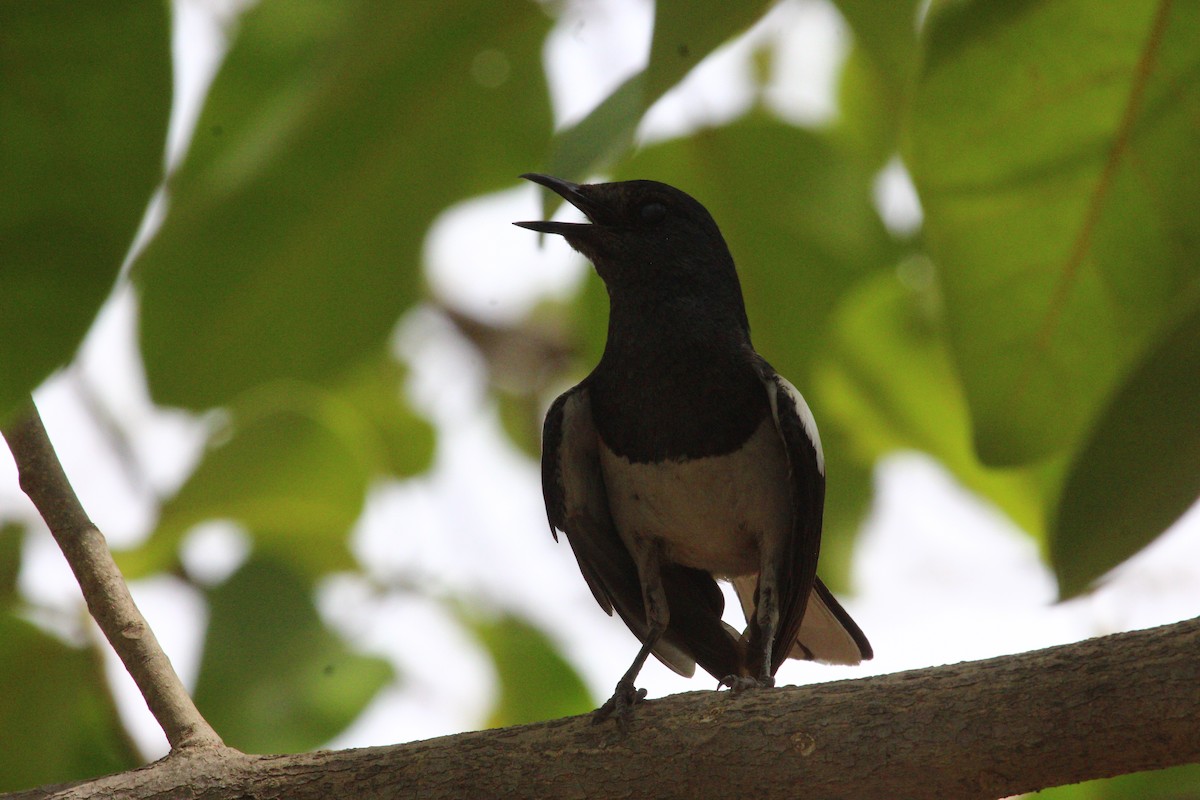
273, 678
885, 31
12, 536
59, 722
286, 473
83, 120
293, 467
536, 683
521, 418
1054, 148
848, 493
374, 412
876, 80
334, 134
684, 33
888, 384
869, 111
1177, 783
1140, 468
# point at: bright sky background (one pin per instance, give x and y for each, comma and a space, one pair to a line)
938, 577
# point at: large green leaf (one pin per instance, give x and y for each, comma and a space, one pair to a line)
1054, 147
273, 678
58, 719
1176, 783
333, 135
888, 383
286, 475
370, 407
684, 33
1140, 468
84, 103
876, 79
293, 467
535, 681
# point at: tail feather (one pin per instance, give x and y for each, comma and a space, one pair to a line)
827, 633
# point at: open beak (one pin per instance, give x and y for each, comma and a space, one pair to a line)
571, 192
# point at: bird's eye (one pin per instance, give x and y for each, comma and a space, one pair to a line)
652, 212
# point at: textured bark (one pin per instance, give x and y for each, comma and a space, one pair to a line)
985, 729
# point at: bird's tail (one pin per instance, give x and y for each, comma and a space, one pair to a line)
827, 633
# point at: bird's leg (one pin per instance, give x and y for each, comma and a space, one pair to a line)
658, 617
766, 605
621, 704
768, 622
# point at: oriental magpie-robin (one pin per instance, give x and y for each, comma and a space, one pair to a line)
684, 457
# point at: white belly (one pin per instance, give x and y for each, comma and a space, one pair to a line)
718, 514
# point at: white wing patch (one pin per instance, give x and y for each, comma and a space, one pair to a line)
804, 412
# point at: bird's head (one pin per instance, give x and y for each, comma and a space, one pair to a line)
642, 234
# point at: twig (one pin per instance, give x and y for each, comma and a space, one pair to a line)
104, 589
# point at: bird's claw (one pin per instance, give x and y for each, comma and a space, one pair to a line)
620, 705
741, 683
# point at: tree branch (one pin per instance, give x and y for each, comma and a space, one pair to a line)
104, 589
985, 729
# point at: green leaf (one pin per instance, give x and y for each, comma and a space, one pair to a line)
848, 491
888, 384
333, 135
293, 466
370, 408
12, 536
83, 118
887, 32
521, 417
1054, 148
273, 678
1137, 472
876, 81
1176, 783
59, 721
684, 33
285, 471
536, 682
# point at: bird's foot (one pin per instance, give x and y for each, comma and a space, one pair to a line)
741, 683
620, 705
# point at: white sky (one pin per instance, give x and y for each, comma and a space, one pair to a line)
938, 577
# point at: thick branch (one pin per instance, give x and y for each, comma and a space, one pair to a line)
107, 596
986, 729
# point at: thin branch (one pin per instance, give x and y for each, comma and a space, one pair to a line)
972, 731
104, 589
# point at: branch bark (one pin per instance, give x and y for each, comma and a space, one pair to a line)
985, 729
43, 479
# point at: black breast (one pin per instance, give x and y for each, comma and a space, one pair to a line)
672, 403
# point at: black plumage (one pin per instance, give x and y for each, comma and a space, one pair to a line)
684, 457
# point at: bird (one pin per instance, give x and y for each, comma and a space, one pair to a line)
684, 458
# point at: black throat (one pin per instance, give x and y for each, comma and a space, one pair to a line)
678, 380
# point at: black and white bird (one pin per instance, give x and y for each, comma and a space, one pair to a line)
684, 458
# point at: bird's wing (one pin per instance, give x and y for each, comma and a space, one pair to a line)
577, 505
812, 624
